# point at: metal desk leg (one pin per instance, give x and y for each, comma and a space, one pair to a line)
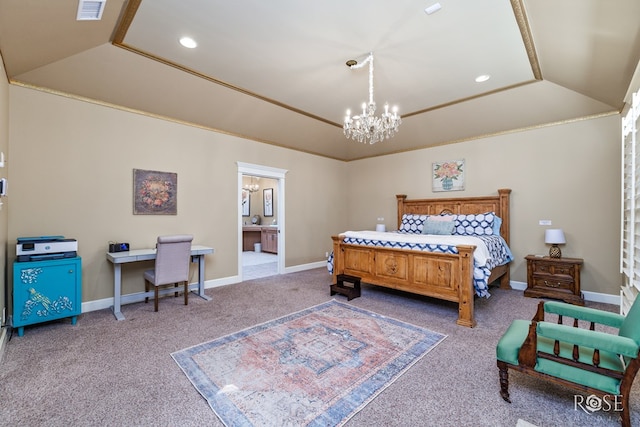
117, 285
201, 293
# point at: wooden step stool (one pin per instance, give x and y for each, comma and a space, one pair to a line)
349, 292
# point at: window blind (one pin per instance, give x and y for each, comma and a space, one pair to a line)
630, 222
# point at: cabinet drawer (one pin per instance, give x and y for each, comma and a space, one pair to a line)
552, 282
554, 277
566, 270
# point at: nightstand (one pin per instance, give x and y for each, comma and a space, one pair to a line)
557, 278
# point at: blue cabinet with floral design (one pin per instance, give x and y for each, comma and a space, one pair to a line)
46, 290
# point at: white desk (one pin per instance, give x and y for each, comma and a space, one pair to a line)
118, 258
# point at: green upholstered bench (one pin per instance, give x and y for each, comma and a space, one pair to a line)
586, 360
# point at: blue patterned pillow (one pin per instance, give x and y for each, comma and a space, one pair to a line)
412, 223
474, 224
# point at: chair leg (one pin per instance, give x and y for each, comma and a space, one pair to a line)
625, 417
186, 292
175, 294
155, 301
146, 289
504, 380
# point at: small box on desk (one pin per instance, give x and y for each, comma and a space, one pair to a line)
118, 247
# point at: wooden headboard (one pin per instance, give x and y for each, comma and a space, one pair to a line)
463, 205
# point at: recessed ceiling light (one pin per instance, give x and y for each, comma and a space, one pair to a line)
188, 42
482, 78
433, 8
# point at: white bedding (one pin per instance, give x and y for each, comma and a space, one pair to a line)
480, 255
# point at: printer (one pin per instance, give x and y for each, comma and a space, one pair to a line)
42, 248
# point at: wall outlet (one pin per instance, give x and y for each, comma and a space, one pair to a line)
544, 222
326, 254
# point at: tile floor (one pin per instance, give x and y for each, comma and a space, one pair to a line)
258, 264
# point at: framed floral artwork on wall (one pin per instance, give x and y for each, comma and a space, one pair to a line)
155, 193
448, 176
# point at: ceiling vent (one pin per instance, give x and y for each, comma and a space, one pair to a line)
90, 10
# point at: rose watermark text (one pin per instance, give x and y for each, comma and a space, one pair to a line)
593, 403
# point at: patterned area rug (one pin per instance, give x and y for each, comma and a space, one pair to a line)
316, 367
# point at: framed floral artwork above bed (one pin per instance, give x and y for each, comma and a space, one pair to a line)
448, 176
155, 193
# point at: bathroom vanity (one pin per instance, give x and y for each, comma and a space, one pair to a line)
266, 235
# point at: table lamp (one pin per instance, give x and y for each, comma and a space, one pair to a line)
554, 237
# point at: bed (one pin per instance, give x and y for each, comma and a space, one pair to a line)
441, 269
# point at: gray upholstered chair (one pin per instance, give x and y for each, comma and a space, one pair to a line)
171, 265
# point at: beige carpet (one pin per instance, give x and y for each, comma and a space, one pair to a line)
105, 372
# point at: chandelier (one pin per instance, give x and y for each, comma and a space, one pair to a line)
367, 127
251, 188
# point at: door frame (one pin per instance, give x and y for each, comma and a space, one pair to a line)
263, 172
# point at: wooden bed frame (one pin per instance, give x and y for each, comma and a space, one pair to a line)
443, 276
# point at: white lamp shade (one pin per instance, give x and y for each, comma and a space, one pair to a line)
554, 236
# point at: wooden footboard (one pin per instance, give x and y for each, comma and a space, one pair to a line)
443, 276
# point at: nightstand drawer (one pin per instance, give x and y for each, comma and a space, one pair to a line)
553, 283
560, 270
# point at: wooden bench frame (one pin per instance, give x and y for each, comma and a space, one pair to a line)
528, 355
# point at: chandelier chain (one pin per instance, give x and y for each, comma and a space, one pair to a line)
368, 128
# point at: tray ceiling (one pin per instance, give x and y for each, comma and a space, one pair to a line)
275, 71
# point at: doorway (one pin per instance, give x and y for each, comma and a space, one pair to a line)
261, 221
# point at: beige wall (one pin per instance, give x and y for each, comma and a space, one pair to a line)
72, 176
72, 165
569, 174
4, 144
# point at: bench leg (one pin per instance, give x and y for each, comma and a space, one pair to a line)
625, 417
504, 381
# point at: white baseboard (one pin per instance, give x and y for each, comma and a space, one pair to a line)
303, 267
139, 296
588, 295
518, 286
101, 304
